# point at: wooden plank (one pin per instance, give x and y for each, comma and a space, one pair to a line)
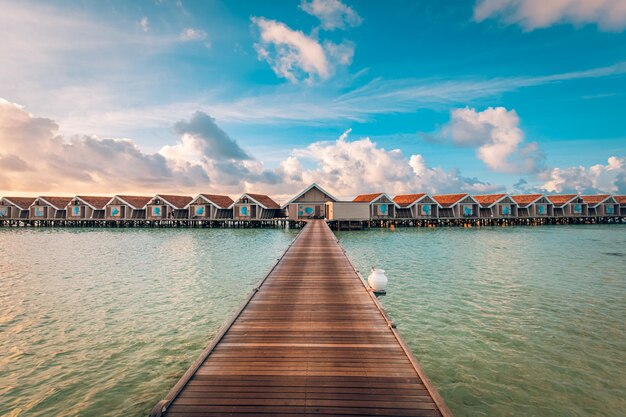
311, 341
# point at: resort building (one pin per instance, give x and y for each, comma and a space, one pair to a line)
15, 208
621, 200
533, 205
168, 207
309, 204
453, 206
127, 207
211, 207
601, 205
255, 207
568, 205
382, 207
49, 208
87, 207
496, 205
415, 206
347, 211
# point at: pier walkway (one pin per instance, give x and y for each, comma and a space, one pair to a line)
311, 340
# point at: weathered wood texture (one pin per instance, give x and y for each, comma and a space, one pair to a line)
311, 341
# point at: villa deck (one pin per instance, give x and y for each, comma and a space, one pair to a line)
311, 340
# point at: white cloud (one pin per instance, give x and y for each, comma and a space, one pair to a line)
348, 168
609, 178
497, 137
333, 14
534, 14
342, 53
144, 24
290, 52
191, 34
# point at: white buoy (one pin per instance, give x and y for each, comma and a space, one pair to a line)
377, 280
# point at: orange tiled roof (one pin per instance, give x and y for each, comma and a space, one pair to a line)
58, 202
405, 200
21, 202
97, 202
366, 198
136, 201
526, 199
594, 199
265, 200
222, 201
621, 199
488, 199
178, 201
561, 199
448, 200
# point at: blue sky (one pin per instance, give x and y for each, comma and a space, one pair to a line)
483, 93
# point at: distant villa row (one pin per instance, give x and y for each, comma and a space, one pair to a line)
312, 202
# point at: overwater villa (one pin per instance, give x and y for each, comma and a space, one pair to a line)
168, 207
211, 207
568, 205
49, 208
600, 205
621, 200
455, 206
127, 207
365, 210
87, 207
496, 206
15, 208
382, 207
415, 206
255, 207
308, 204
533, 205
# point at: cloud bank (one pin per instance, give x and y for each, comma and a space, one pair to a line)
609, 15
35, 159
609, 178
352, 167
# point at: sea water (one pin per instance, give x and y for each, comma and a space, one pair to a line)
518, 321
103, 322
515, 321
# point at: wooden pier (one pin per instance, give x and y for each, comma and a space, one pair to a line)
310, 340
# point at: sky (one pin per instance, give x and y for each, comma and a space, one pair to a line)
438, 96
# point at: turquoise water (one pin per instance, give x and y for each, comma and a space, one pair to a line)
104, 322
526, 321
506, 321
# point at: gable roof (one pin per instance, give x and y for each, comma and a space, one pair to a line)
407, 200
264, 200
175, 201
366, 198
221, 201
561, 199
526, 199
448, 200
135, 201
23, 203
595, 199
307, 189
488, 199
58, 203
96, 203
621, 199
